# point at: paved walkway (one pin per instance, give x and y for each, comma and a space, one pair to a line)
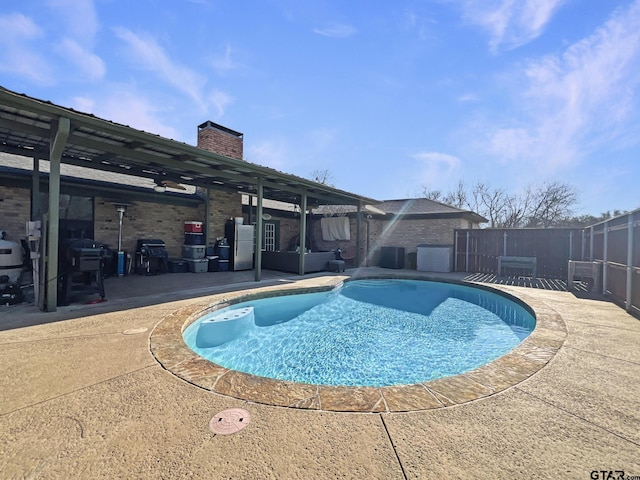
81, 396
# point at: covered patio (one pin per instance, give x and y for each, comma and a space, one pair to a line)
38, 129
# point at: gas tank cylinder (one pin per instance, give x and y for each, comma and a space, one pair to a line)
10, 260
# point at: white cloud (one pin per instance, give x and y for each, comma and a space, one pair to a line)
467, 97
220, 100
88, 62
320, 139
436, 168
270, 153
125, 105
79, 16
153, 58
21, 53
224, 63
511, 23
417, 23
577, 100
336, 30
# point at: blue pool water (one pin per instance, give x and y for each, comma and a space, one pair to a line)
372, 333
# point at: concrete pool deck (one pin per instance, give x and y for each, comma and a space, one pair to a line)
82, 396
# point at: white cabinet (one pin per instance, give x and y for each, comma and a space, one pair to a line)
434, 259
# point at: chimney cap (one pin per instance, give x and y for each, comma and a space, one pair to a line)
210, 124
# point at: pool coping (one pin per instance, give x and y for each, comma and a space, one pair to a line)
171, 352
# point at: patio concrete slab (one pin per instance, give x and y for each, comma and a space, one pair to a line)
601, 390
511, 436
606, 340
148, 424
44, 369
79, 399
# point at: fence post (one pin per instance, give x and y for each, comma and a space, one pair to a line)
582, 244
591, 244
605, 257
455, 252
570, 244
629, 259
467, 256
504, 245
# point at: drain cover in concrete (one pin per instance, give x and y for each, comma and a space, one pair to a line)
133, 331
229, 421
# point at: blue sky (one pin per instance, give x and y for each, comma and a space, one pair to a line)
389, 96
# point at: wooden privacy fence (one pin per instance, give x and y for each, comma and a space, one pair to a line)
615, 244
478, 250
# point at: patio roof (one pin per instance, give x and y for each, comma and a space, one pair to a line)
41, 130
27, 126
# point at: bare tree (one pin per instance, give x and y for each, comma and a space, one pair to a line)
435, 195
458, 198
491, 202
551, 204
324, 177
540, 206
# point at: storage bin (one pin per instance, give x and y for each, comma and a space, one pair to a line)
193, 251
223, 265
211, 251
213, 263
194, 238
192, 227
197, 265
177, 265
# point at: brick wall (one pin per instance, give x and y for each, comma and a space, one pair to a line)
216, 139
402, 233
144, 220
289, 228
410, 233
222, 207
15, 211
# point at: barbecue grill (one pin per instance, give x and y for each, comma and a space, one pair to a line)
151, 257
80, 269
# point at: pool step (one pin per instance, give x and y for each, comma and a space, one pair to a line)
224, 326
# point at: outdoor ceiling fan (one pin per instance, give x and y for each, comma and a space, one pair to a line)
162, 185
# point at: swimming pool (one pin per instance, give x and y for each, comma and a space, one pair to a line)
370, 333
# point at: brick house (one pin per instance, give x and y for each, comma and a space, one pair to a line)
404, 223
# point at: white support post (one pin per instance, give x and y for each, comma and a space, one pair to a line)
571, 245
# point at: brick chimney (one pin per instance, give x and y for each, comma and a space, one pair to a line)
218, 139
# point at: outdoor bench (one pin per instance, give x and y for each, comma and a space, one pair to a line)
525, 263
